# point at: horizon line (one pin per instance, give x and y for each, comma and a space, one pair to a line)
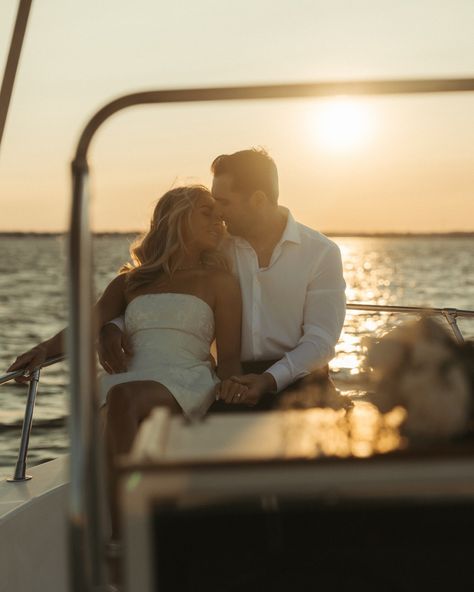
355, 233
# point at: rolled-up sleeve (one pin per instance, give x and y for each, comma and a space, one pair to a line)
323, 319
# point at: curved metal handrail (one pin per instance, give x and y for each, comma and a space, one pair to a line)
269, 91
450, 314
457, 312
20, 467
13, 58
87, 569
21, 372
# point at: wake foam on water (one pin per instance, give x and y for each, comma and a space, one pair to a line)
38, 424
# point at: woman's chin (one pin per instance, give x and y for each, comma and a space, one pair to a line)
213, 244
207, 248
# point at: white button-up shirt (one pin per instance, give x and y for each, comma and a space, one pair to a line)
293, 309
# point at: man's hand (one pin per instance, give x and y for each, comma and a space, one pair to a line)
113, 348
29, 361
256, 385
230, 391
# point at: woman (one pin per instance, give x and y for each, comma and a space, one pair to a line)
177, 296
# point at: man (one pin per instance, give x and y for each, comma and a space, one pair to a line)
291, 282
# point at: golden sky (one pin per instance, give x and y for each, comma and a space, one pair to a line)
371, 164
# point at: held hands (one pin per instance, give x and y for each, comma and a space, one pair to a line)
246, 389
231, 391
29, 361
113, 348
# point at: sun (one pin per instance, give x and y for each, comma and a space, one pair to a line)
342, 125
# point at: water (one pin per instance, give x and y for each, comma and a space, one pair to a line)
403, 271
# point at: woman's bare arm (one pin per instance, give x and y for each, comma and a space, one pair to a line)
111, 304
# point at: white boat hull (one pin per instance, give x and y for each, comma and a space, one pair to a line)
33, 529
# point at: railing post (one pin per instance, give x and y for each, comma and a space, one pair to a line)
12, 61
20, 468
87, 572
450, 315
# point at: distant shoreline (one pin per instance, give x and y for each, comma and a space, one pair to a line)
19, 234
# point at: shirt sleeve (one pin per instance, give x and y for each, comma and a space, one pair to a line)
119, 322
323, 319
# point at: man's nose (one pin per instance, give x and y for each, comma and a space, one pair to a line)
218, 218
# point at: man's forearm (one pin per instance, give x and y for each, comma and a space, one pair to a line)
300, 362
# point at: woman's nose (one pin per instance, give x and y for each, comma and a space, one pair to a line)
217, 209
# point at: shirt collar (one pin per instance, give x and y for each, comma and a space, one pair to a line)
291, 233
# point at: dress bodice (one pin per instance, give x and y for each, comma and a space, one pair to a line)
171, 335
174, 324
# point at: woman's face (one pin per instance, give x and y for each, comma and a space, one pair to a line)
207, 227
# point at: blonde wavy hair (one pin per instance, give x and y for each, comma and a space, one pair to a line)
162, 248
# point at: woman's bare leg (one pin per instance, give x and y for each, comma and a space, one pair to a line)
128, 404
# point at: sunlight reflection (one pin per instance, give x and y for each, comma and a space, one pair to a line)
371, 324
360, 431
386, 271
347, 361
370, 276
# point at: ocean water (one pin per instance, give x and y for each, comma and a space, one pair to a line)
410, 271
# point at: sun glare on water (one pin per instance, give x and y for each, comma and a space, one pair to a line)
342, 125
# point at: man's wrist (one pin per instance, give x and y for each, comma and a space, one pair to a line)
269, 382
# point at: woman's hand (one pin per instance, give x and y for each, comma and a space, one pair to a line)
114, 349
255, 385
231, 392
30, 360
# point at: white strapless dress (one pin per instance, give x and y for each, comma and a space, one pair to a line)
171, 335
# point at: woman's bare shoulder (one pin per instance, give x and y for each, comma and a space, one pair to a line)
117, 287
221, 275
119, 281
223, 280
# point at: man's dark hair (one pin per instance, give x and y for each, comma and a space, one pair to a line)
250, 170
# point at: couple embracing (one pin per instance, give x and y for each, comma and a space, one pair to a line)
229, 265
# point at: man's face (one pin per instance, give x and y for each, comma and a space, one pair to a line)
233, 206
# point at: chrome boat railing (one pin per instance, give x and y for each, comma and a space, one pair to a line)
13, 58
450, 314
20, 467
